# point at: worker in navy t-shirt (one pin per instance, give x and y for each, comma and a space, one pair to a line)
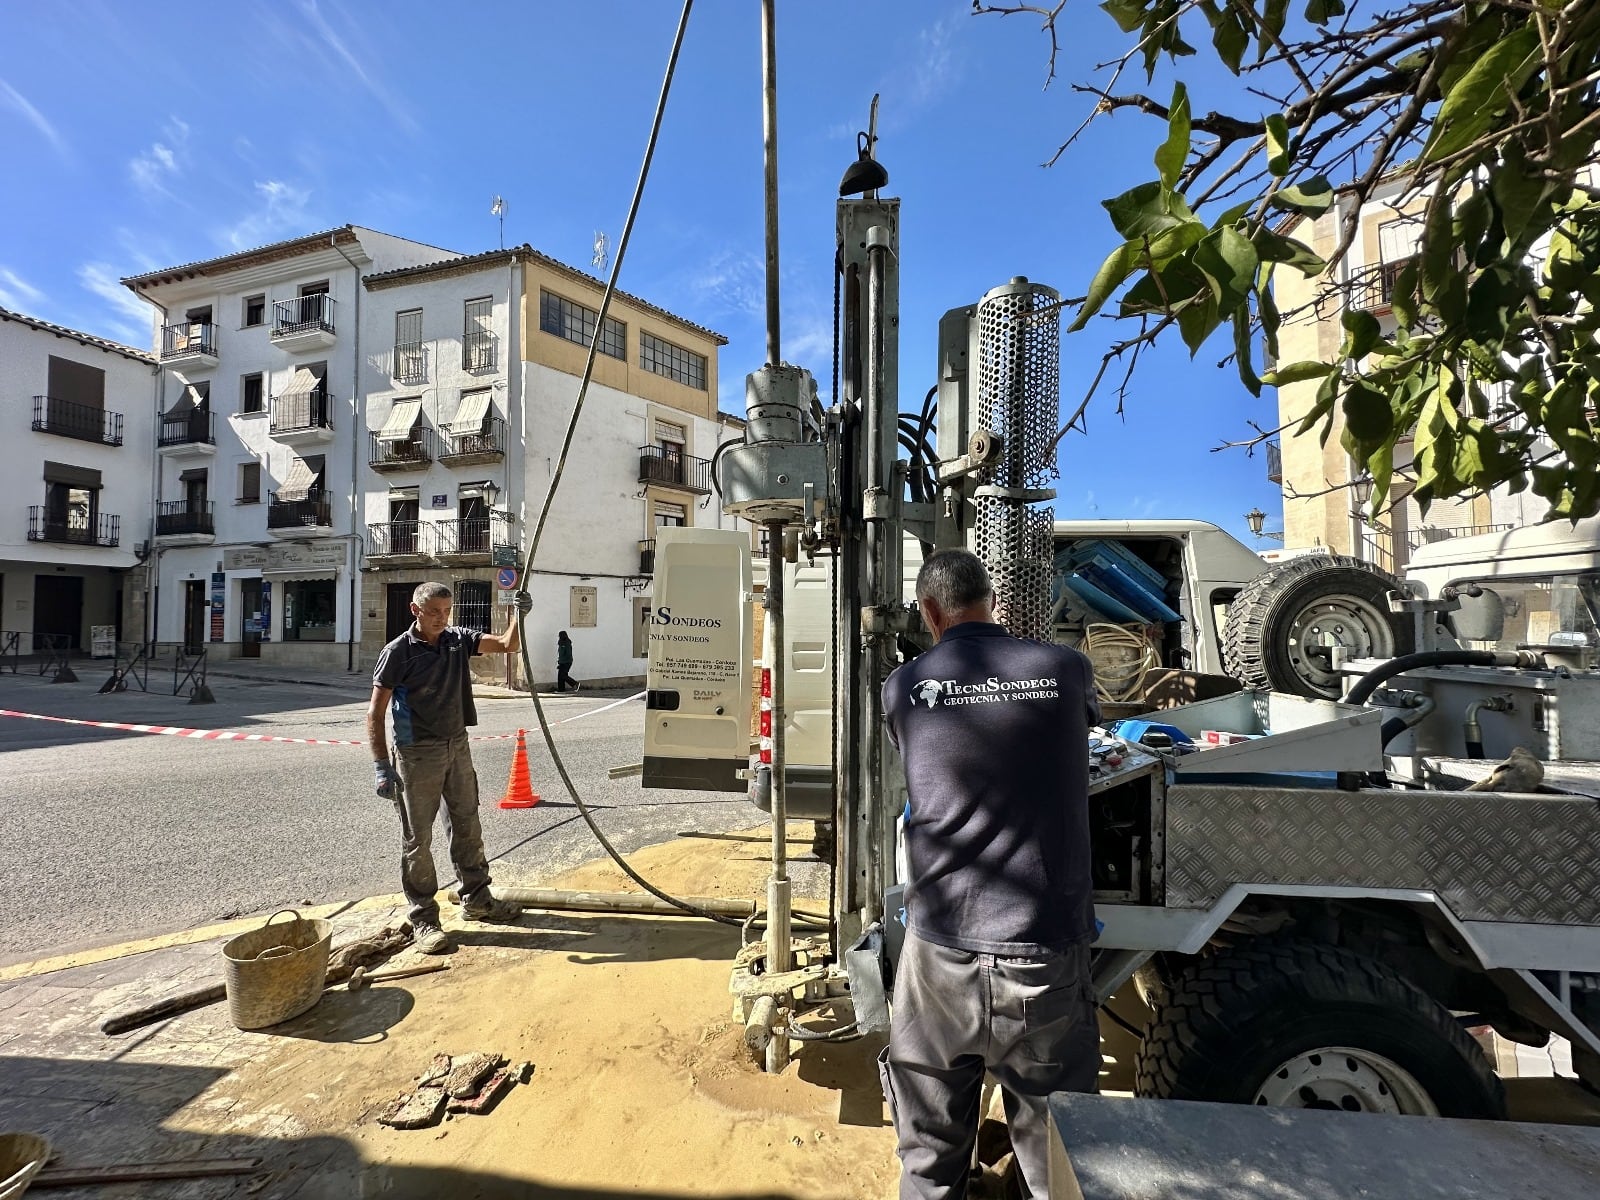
994, 973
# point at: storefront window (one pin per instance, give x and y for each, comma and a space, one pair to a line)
308, 610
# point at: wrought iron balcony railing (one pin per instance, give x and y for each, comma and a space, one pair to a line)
390, 539
477, 443
1274, 463
647, 556
76, 528
1428, 534
193, 428
674, 469
180, 516
66, 418
188, 337
415, 451
314, 511
472, 535
479, 351
1373, 288
303, 314
410, 363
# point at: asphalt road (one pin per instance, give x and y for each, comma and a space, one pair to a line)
111, 835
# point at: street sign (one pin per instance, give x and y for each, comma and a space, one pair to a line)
506, 577
505, 556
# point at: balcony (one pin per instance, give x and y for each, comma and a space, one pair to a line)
485, 443
647, 556
411, 455
189, 344
1373, 288
1274, 463
395, 540
410, 363
288, 517
471, 540
1429, 534
73, 528
304, 323
65, 418
302, 418
182, 523
480, 352
190, 433
675, 470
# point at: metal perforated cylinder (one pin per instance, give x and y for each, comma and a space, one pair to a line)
1018, 397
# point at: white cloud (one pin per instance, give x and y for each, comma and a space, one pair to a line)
935, 67
732, 281
332, 41
129, 317
16, 293
156, 166
280, 212
13, 99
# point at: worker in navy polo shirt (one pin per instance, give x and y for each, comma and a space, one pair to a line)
994, 973
424, 678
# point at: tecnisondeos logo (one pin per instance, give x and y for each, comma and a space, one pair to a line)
663, 616
992, 690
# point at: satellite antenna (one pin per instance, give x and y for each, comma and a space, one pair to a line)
599, 259
498, 209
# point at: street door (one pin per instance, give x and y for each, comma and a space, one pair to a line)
58, 606
397, 614
195, 615
250, 617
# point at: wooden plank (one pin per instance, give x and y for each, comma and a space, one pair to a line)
195, 1168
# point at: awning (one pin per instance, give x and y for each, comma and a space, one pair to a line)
402, 416
70, 475
474, 407
402, 493
189, 400
298, 481
302, 383
193, 474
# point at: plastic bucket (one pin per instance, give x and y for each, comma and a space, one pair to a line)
22, 1155
276, 972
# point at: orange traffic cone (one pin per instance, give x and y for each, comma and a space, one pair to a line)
519, 788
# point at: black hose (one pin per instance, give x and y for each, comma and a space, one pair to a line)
1373, 679
1474, 749
845, 1033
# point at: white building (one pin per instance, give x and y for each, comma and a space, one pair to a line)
76, 448
259, 527
473, 369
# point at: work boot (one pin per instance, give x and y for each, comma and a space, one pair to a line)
429, 938
500, 912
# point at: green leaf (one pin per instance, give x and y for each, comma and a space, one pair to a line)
1164, 247
1272, 18
1198, 321
1438, 249
1321, 407
1119, 264
1310, 199
1277, 145
1128, 14
1242, 351
1230, 40
1147, 210
1320, 12
1275, 247
1362, 333
1298, 372
1172, 153
1478, 97
1403, 296
1228, 261
1367, 416
1271, 319
1517, 190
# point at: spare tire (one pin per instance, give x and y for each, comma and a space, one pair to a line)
1281, 628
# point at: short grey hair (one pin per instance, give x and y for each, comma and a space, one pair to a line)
429, 591
954, 579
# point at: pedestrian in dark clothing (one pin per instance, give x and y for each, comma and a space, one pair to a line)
424, 678
994, 972
564, 680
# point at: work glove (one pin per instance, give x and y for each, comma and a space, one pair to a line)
386, 783
524, 603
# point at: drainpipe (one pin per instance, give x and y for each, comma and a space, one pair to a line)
516, 421
152, 592
354, 537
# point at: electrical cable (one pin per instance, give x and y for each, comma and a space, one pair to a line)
1117, 676
555, 483
1121, 1023
844, 1033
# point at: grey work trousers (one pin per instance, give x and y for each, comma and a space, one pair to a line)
1030, 1022
431, 771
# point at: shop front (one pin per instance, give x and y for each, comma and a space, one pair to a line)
290, 608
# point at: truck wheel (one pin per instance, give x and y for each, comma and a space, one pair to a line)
1280, 629
1302, 1025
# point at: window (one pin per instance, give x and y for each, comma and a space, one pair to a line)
410, 362
249, 483
663, 358
474, 521
194, 488
670, 516
308, 608
250, 393
472, 605
477, 336
314, 289
255, 311
568, 319
198, 316
403, 517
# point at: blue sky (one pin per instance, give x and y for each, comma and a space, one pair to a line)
142, 136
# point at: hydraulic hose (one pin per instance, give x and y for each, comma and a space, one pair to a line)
1371, 681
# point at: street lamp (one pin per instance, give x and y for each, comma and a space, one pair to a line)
1256, 519
491, 493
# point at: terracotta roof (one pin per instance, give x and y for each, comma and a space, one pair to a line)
449, 266
244, 258
83, 339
